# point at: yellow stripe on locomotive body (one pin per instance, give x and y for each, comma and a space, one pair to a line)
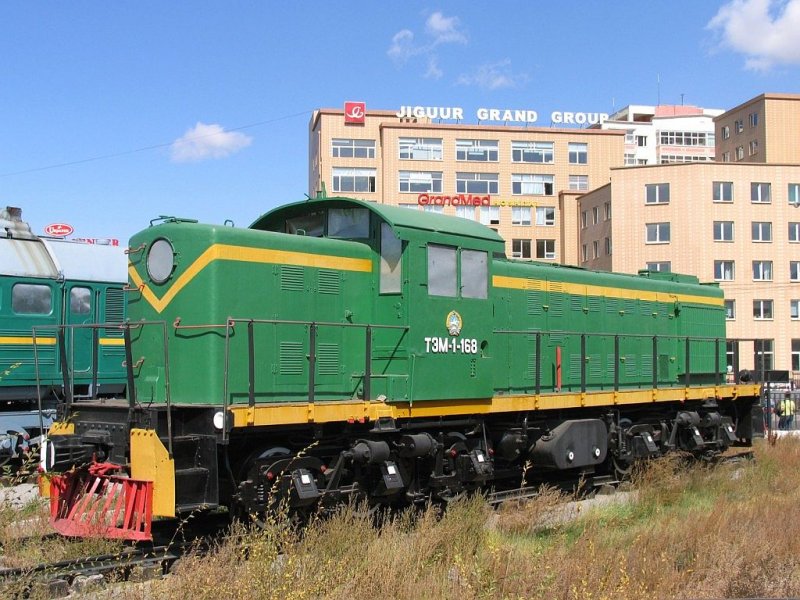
14, 340
521, 283
244, 254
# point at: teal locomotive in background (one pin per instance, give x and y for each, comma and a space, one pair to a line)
342, 348
45, 283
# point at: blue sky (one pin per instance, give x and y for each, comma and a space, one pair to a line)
113, 113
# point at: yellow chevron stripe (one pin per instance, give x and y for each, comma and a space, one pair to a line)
582, 289
47, 341
245, 254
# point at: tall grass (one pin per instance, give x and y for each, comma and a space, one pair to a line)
701, 532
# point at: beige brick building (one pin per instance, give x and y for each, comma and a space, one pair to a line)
525, 180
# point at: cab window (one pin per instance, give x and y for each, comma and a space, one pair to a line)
31, 299
80, 301
442, 271
474, 274
350, 223
451, 270
391, 261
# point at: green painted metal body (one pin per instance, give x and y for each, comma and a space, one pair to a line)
302, 306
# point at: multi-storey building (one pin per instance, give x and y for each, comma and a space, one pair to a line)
665, 133
762, 130
735, 222
521, 181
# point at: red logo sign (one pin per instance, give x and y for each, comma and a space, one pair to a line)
354, 112
58, 229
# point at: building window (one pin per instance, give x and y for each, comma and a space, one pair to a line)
520, 248
730, 309
545, 215
595, 249
595, 215
794, 309
794, 270
761, 231
608, 246
523, 184
666, 159
686, 138
656, 193
794, 194
477, 150
546, 249
752, 147
579, 183
795, 354
662, 265
583, 219
421, 148
794, 232
739, 152
724, 270
762, 270
584, 253
641, 141
753, 119
578, 153
421, 181
349, 148
477, 183
608, 210
431, 208
739, 125
630, 160
466, 212
726, 157
490, 215
353, 180
726, 132
722, 191
520, 215
762, 309
532, 152
723, 231
657, 233
764, 353
760, 193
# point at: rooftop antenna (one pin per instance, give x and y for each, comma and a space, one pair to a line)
682, 99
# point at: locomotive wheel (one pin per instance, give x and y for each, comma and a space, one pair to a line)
622, 469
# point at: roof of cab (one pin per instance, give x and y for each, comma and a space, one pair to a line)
398, 217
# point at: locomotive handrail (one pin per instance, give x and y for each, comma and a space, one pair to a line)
312, 355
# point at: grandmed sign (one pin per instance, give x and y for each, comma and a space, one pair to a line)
470, 200
506, 115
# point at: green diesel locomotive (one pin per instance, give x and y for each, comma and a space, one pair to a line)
340, 348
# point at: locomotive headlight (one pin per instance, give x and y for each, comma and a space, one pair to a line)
219, 420
160, 260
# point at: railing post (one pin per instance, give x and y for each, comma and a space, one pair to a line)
583, 362
95, 356
62, 350
655, 361
251, 364
687, 375
538, 366
312, 360
368, 365
126, 336
716, 361
616, 363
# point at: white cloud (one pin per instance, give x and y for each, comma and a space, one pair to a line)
444, 30
205, 141
433, 72
492, 76
764, 31
439, 30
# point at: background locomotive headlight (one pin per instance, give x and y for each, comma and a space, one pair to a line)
160, 261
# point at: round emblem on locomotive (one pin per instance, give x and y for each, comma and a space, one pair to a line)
453, 323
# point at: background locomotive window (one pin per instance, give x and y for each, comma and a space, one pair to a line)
391, 264
348, 223
310, 225
31, 299
474, 274
441, 270
80, 301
